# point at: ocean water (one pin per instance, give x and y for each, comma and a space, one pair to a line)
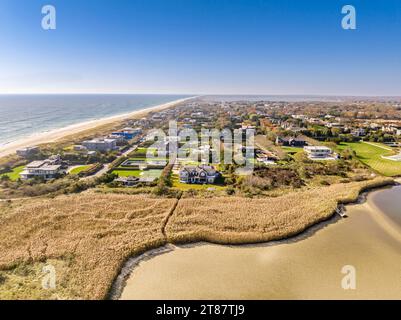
25, 115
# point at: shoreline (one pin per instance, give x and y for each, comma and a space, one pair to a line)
60, 133
117, 287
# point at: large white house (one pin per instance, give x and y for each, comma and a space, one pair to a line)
319, 153
198, 174
105, 144
46, 169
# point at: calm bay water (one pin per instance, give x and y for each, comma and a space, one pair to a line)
307, 267
24, 115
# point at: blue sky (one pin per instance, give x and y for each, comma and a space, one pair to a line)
201, 46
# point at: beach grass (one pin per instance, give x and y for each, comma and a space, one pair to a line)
88, 238
236, 220
372, 156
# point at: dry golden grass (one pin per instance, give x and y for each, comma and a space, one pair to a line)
86, 237
232, 220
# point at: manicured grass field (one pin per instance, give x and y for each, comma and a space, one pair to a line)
127, 173
197, 163
153, 173
292, 149
79, 169
150, 159
14, 174
139, 173
143, 151
372, 156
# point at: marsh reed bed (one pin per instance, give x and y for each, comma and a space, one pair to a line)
88, 237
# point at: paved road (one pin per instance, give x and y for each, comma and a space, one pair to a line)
133, 148
107, 166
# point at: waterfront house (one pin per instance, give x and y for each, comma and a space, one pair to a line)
79, 147
131, 181
198, 174
128, 133
100, 144
46, 169
290, 141
120, 140
27, 152
127, 181
319, 153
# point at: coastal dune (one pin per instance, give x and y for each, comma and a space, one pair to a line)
58, 134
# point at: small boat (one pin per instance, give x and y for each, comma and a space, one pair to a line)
341, 211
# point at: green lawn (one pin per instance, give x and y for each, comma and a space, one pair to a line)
153, 173
69, 148
127, 173
372, 157
292, 149
139, 173
14, 174
150, 159
77, 170
143, 151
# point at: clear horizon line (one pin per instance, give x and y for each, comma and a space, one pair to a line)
203, 94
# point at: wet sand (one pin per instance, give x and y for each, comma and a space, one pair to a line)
305, 267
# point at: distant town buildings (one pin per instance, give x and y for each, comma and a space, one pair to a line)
359, 132
27, 152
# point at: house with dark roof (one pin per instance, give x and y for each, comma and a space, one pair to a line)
199, 174
291, 141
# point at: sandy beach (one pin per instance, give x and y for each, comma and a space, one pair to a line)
57, 134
